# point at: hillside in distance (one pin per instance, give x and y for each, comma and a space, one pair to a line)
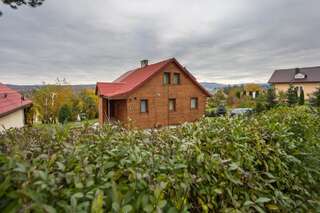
29, 88
210, 86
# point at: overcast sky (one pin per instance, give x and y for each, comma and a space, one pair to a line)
85, 41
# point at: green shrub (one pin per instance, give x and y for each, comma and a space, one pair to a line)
315, 98
271, 98
265, 163
301, 97
64, 113
292, 96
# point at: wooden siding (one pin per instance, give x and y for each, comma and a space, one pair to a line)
158, 96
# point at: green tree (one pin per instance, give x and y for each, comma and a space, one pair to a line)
261, 103
260, 107
238, 94
14, 4
271, 98
282, 98
292, 96
89, 103
246, 102
315, 98
64, 113
219, 97
48, 99
301, 97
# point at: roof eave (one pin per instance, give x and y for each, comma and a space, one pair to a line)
15, 109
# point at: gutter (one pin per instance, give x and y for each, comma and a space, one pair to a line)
15, 109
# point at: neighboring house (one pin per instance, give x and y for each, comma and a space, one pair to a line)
12, 108
307, 78
154, 95
252, 90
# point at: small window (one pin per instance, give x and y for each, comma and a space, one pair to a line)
176, 78
166, 78
172, 105
194, 103
144, 106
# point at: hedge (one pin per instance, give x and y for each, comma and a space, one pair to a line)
264, 163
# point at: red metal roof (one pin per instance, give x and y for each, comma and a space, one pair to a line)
135, 78
11, 100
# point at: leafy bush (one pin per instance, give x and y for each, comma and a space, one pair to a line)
301, 97
64, 113
210, 112
315, 98
271, 98
268, 162
292, 96
221, 110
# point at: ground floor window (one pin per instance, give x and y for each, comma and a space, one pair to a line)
144, 105
194, 103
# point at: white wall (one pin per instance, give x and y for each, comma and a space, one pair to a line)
15, 119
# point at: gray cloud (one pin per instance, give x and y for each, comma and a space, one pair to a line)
222, 41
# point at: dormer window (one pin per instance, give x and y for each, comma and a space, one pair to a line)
299, 76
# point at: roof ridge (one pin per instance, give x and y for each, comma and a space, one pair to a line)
311, 67
110, 82
139, 68
132, 71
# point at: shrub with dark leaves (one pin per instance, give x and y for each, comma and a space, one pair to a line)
263, 163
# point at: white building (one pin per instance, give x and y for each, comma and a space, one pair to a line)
12, 108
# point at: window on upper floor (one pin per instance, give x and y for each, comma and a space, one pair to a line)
172, 104
194, 103
176, 78
166, 78
144, 105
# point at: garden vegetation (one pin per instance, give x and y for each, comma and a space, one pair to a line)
268, 162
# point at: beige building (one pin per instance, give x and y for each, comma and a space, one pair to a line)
12, 108
252, 90
306, 79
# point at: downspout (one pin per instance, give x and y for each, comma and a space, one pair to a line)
168, 115
108, 115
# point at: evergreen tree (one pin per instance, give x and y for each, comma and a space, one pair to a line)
259, 107
238, 94
271, 98
64, 113
292, 96
315, 98
301, 97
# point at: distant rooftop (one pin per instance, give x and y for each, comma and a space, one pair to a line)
11, 100
296, 75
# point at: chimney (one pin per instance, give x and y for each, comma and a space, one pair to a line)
144, 63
